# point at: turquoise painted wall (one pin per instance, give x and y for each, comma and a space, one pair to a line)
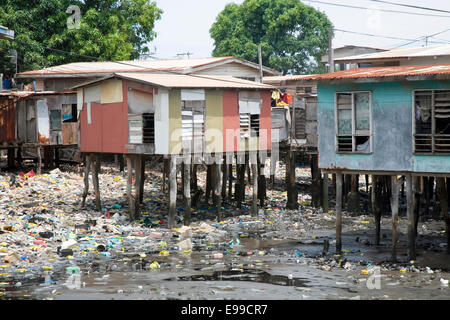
392, 128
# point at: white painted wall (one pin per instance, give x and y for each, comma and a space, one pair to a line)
161, 102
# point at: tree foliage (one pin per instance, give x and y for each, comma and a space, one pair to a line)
109, 30
293, 36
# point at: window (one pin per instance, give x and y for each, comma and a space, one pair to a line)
353, 122
55, 120
193, 125
432, 121
69, 113
249, 114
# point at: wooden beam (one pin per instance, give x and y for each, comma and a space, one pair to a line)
87, 167
187, 192
95, 165
338, 213
130, 186
410, 217
394, 207
172, 191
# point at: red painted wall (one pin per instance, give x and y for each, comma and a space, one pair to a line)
231, 119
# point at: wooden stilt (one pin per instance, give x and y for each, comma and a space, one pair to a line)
325, 192
95, 166
39, 155
187, 192
376, 206
239, 186
141, 191
209, 181
194, 185
11, 158
166, 166
315, 184
230, 180
441, 192
56, 157
130, 186
19, 156
291, 185
172, 191
394, 208
254, 167
353, 196
137, 184
218, 190
87, 168
261, 184
367, 183
224, 178
339, 213
121, 163
273, 167
416, 202
248, 170
410, 217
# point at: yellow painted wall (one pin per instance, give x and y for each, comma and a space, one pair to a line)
111, 91
214, 120
175, 121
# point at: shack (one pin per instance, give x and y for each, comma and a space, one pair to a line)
184, 118
387, 121
36, 122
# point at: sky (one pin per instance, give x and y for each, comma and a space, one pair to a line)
184, 25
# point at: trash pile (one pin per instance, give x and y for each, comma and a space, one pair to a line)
45, 236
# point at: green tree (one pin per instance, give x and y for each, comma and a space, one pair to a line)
293, 36
109, 30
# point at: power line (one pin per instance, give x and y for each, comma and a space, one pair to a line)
380, 36
424, 37
385, 10
410, 6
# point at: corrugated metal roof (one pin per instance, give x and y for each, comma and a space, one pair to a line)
24, 94
402, 53
186, 81
276, 79
175, 65
381, 72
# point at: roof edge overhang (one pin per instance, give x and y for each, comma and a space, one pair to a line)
382, 79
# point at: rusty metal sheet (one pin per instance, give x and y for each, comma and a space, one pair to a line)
7, 120
70, 133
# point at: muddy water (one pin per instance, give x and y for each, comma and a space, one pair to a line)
289, 269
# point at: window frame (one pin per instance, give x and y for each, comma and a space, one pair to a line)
353, 134
433, 122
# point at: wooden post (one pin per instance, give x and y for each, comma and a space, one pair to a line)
87, 167
224, 178
137, 184
187, 192
376, 206
441, 193
95, 167
394, 207
410, 217
218, 189
273, 167
172, 191
416, 202
254, 167
194, 185
261, 183
338, 213
141, 199
230, 180
353, 195
325, 192
19, 156
56, 157
130, 186
367, 183
121, 163
11, 157
291, 185
39, 168
166, 165
248, 170
208, 182
315, 184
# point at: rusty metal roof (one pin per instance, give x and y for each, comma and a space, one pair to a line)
185, 81
24, 94
108, 67
385, 72
401, 53
277, 79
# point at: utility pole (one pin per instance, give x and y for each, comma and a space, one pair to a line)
260, 63
330, 51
